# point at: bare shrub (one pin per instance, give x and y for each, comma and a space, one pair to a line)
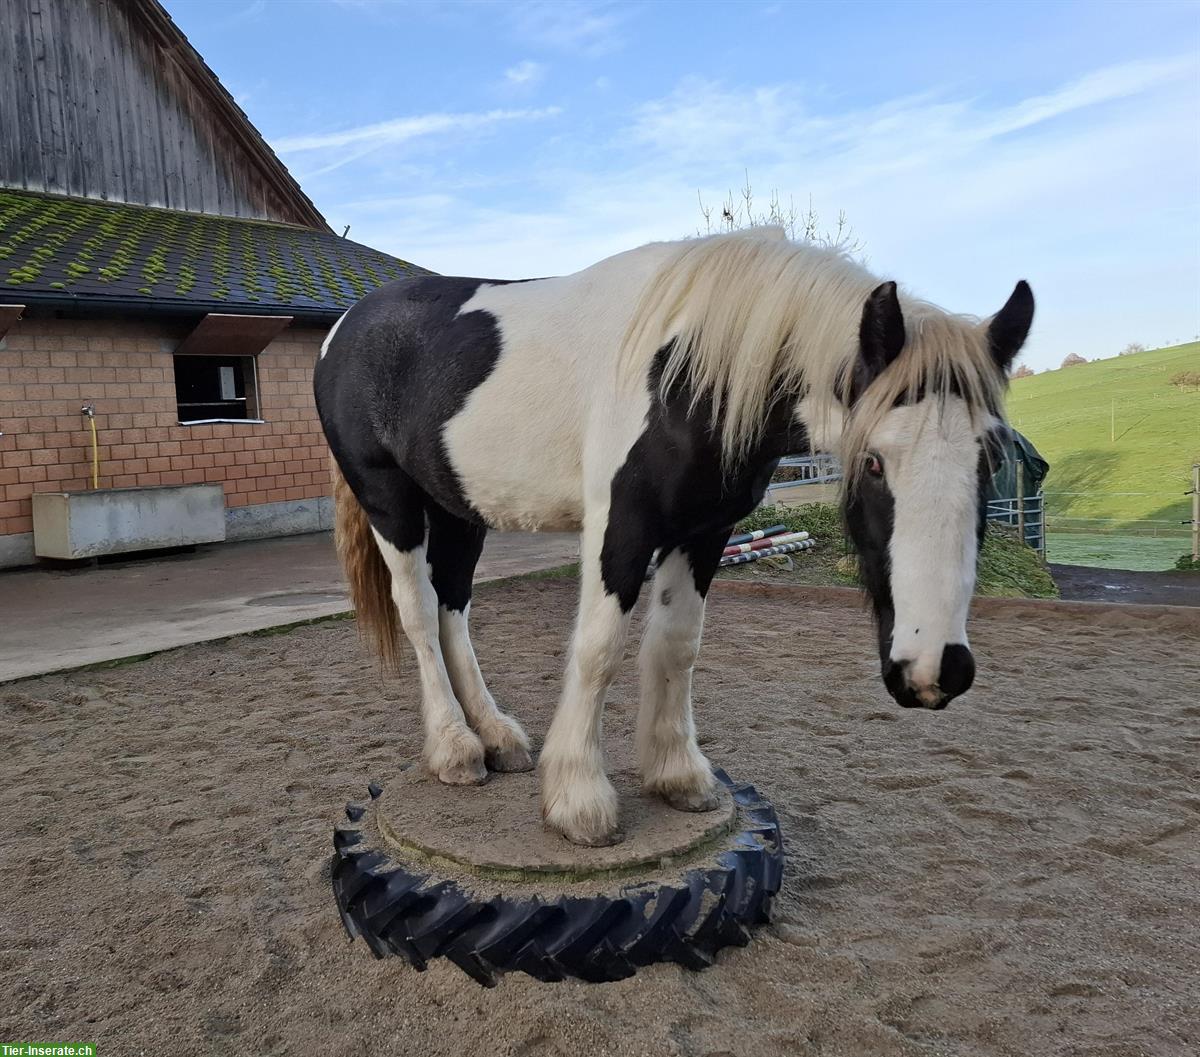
738, 211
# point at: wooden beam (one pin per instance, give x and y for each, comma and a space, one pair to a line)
9, 314
218, 334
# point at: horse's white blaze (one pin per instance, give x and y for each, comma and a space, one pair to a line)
671, 762
452, 751
930, 455
329, 337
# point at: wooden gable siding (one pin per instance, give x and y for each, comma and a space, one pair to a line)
100, 102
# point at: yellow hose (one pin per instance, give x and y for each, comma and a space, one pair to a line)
95, 455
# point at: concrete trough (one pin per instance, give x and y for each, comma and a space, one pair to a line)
74, 525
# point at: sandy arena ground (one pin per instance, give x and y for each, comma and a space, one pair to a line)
1018, 875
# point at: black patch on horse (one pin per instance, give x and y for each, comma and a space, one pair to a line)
870, 516
402, 364
405, 356
673, 491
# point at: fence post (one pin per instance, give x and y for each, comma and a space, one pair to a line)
1021, 502
1196, 511
1041, 498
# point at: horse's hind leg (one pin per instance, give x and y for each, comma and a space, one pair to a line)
396, 508
454, 548
672, 765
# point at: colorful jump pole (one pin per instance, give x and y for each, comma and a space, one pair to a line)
767, 552
749, 546
770, 541
757, 534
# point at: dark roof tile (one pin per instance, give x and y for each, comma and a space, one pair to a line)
79, 249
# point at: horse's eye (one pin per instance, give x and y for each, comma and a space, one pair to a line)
874, 465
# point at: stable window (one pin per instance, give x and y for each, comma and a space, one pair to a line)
216, 389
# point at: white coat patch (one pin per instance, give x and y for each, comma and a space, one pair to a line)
329, 337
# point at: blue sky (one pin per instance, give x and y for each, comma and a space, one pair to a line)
970, 145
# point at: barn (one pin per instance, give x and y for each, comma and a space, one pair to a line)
165, 286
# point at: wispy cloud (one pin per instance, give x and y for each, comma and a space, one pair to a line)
705, 120
525, 74
401, 129
583, 26
347, 146
1100, 86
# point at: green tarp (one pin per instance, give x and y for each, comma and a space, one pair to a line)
1018, 451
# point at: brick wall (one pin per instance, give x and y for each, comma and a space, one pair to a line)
49, 368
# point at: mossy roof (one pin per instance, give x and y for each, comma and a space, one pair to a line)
69, 249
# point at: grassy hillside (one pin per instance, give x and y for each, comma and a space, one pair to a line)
1068, 414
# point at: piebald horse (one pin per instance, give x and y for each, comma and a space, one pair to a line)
645, 402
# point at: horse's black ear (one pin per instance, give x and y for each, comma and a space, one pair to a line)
1008, 328
881, 333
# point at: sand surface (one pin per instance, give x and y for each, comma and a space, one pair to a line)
1017, 875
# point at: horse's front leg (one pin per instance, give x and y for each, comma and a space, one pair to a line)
672, 764
578, 800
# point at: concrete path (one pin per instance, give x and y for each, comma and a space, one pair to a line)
50, 620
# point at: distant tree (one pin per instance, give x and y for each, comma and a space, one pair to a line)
1023, 371
1132, 349
1073, 360
739, 211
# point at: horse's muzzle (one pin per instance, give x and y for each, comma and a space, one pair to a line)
955, 676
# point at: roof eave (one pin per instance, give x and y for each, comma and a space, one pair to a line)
87, 305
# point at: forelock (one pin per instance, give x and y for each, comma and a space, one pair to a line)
945, 363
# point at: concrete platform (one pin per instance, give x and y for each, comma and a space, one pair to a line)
56, 619
498, 826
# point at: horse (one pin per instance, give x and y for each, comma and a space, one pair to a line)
645, 402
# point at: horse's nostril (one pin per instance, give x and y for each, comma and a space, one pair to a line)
957, 670
895, 678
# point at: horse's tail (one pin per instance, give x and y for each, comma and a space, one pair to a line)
368, 574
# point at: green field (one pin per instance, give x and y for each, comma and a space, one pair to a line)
1105, 551
1120, 440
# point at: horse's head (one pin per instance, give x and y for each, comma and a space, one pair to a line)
924, 409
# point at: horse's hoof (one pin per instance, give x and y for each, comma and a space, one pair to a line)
510, 759
704, 800
465, 772
598, 827
594, 838
455, 757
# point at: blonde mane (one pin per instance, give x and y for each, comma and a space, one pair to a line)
755, 317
